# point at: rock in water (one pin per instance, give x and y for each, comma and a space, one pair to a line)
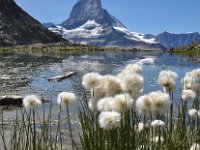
19, 28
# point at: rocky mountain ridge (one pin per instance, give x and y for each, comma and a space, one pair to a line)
19, 28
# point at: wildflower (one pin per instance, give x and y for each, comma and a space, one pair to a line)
132, 83
98, 92
140, 126
187, 82
196, 87
158, 139
122, 102
193, 113
92, 104
129, 70
133, 68
157, 123
196, 73
31, 101
105, 104
188, 95
195, 146
91, 80
160, 101
167, 79
112, 85
109, 120
65, 98
143, 105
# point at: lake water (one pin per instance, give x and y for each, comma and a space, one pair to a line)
24, 74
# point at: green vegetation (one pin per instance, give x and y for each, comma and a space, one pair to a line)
112, 116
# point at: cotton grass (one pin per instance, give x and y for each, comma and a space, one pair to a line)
188, 95
157, 123
109, 120
66, 98
31, 101
193, 113
91, 80
160, 102
167, 79
195, 146
122, 103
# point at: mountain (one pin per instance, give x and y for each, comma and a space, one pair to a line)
90, 24
171, 40
19, 28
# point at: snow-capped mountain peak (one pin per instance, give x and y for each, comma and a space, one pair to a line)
90, 23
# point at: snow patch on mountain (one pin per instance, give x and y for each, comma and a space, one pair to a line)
87, 30
135, 36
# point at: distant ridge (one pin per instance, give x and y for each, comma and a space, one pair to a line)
19, 28
90, 24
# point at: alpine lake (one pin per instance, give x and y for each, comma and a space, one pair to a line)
27, 73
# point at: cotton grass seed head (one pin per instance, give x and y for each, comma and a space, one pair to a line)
157, 123
193, 113
140, 126
196, 73
188, 95
31, 101
133, 68
122, 103
91, 80
109, 120
187, 82
195, 146
131, 83
112, 85
160, 102
143, 105
66, 98
105, 104
92, 104
167, 79
157, 139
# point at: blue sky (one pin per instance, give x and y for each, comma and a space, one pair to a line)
144, 16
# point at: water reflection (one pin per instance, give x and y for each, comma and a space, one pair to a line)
24, 74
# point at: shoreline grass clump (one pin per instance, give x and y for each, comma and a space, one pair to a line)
114, 113
155, 120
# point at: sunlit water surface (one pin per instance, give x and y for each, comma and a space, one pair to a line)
23, 74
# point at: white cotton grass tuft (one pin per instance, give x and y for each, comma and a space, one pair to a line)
31, 101
132, 83
122, 103
105, 104
157, 123
109, 120
143, 105
92, 104
160, 102
187, 82
130, 69
112, 85
91, 80
193, 113
167, 79
195, 73
157, 139
133, 68
140, 126
98, 92
188, 95
195, 146
66, 98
